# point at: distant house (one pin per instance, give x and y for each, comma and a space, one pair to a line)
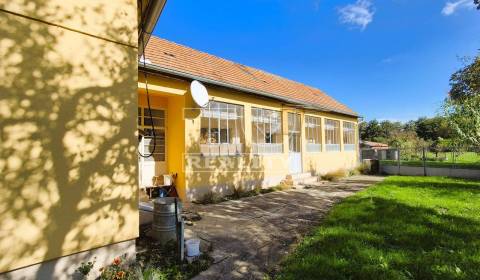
373, 145
372, 150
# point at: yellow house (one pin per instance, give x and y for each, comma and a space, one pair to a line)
68, 109
256, 129
72, 100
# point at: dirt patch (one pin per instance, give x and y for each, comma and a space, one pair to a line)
251, 235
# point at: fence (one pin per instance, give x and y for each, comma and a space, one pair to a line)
428, 161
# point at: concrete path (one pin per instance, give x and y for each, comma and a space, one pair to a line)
251, 235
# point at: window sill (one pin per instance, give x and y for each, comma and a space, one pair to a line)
267, 154
221, 155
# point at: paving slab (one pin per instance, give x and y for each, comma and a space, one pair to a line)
248, 237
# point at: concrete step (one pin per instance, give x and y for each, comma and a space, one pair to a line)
301, 176
309, 180
304, 179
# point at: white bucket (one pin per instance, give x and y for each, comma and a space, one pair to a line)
193, 247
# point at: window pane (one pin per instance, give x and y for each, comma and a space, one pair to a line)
266, 131
156, 121
348, 133
155, 113
221, 129
223, 118
313, 130
332, 131
293, 122
145, 124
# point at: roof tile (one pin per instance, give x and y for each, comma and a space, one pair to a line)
173, 56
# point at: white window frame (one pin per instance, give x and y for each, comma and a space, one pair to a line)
260, 118
223, 148
313, 131
332, 130
348, 136
143, 114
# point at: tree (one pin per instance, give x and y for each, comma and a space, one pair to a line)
410, 126
464, 116
370, 130
477, 2
387, 128
466, 81
379, 131
431, 129
406, 140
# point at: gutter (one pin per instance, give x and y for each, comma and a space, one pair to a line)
149, 17
149, 67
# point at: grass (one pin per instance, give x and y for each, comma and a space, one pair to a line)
335, 175
402, 228
469, 160
430, 163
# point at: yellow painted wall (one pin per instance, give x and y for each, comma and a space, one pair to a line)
169, 94
323, 162
226, 172
269, 168
68, 107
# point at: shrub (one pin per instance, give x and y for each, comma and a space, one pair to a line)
210, 197
364, 168
354, 172
240, 192
335, 175
85, 268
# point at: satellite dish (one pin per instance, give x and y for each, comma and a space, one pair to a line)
199, 93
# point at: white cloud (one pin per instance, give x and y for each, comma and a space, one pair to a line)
451, 7
359, 14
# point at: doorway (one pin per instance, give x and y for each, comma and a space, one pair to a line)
294, 143
155, 164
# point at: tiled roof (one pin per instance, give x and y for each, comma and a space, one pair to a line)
374, 144
172, 56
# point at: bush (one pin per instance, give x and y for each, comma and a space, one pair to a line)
210, 197
354, 172
335, 175
85, 268
155, 263
364, 168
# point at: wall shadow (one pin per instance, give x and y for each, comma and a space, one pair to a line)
67, 139
221, 174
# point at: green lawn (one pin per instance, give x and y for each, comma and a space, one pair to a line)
433, 164
402, 228
469, 160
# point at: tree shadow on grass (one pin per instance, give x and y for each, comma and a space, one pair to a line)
377, 238
438, 183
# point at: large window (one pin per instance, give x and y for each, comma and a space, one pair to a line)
332, 135
313, 133
146, 134
349, 136
222, 129
266, 131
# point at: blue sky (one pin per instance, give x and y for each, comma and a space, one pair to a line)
386, 59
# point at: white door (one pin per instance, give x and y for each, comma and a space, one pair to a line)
294, 143
155, 163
